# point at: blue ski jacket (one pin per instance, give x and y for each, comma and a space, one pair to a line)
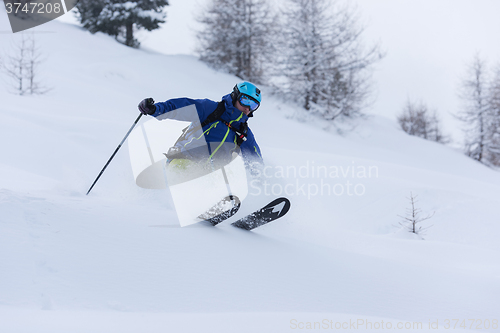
219, 140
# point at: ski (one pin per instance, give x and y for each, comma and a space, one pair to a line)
221, 211
274, 210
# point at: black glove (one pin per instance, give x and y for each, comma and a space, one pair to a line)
147, 106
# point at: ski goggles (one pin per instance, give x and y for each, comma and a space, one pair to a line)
246, 100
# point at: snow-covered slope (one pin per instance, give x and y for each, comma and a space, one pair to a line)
116, 260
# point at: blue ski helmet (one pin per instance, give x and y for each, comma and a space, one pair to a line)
249, 89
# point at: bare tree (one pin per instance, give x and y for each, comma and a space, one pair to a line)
237, 37
413, 218
15, 68
479, 114
416, 119
23, 67
33, 61
324, 63
494, 123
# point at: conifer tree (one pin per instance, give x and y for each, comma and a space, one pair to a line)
416, 119
323, 60
237, 37
120, 18
494, 123
480, 113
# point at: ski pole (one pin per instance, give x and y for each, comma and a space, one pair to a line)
116, 150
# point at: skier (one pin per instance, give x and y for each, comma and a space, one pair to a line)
223, 125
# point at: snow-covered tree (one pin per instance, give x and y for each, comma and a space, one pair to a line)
479, 114
324, 63
494, 123
120, 18
417, 120
237, 37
